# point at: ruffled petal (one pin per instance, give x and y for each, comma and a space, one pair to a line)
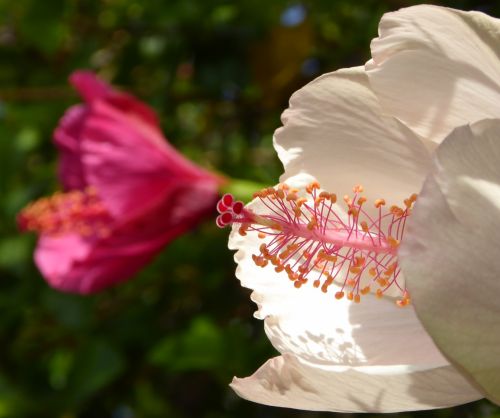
436, 68
70, 264
92, 88
89, 85
450, 252
334, 130
286, 381
130, 163
321, 329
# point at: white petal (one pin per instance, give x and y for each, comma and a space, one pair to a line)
334, 131
287, 382
450, 255
436, 68
321, 329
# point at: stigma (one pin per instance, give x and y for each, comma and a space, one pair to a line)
78, 211
313, 237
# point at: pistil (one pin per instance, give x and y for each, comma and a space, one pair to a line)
310, 237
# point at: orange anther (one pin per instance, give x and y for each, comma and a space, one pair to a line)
358, 189
313, 223
357, 298
339, 295
310, 187
365, 290
301, 201
361, 200
354, 270
261, 235
331, 258
382, 282
350, 296
348, 200
379, 293
364, 226
353, 211
379, 202
402, 302
284, 254
396, 210
373, 271
393, 242
333, 197
391, 269
359, 261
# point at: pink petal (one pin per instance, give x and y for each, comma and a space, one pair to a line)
92, 88
74, 264
67, 139
89, 85
130, 163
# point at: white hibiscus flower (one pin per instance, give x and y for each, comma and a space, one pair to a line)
345, 344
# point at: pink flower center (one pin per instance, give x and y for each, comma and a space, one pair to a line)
80, 212
312, 238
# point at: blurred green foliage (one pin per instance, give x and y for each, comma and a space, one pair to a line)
219, 73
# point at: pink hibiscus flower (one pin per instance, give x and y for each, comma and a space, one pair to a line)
127, 192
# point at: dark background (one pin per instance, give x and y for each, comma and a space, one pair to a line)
167, 343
